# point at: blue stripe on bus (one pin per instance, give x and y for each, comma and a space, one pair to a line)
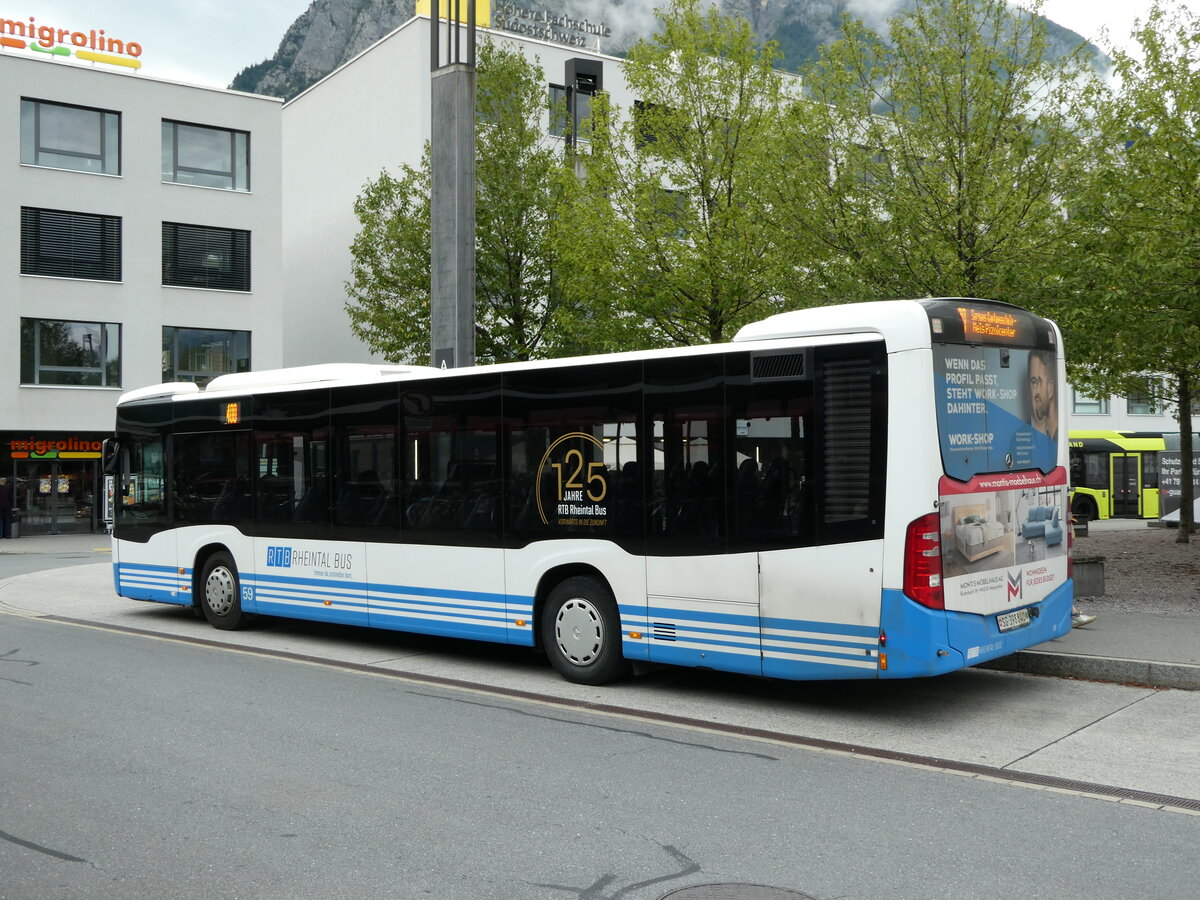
380, 587
656, 613
866, 631
162, 584
418, 609
148, 568
769, 645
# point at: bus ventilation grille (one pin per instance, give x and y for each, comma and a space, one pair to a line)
779, 365
664, 631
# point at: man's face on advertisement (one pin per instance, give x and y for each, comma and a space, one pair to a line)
1041, 389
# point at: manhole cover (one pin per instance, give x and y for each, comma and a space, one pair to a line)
735, 892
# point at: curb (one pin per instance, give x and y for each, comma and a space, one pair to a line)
1182, 676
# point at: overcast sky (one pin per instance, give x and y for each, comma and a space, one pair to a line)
209, 41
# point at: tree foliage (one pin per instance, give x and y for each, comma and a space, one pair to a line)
935, 162
516, 194
668, 239
1134, 310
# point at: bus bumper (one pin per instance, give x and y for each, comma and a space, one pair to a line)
922, 641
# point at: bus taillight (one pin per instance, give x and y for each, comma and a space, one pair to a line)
923, 562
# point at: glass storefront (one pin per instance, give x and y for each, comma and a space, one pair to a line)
56, 478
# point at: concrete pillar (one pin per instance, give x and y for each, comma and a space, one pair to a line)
452, 217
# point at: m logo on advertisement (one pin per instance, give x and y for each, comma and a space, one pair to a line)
1015, 585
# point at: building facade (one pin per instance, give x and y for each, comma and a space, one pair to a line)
139, 243
372, 115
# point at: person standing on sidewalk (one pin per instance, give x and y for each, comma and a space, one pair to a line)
6, 508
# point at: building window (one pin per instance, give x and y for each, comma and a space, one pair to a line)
198, 256
648, 122
558, 110
75, 353
208, 157
70, 137
1144, 401
201, 354
1090, 406
70, 244
560, 113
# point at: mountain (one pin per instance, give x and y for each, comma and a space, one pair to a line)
332, 32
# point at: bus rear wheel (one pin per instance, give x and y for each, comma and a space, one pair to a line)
220, 593
581, 632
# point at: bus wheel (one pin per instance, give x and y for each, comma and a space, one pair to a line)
220, 596
1085, 506
581, 632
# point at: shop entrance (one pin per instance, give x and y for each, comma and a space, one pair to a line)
56, 496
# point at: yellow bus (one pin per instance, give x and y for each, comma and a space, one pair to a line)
1115, 473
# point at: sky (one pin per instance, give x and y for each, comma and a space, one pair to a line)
209, 41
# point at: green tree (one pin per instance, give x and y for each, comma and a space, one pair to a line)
668, 236
1135, 308
516, 195
935, 162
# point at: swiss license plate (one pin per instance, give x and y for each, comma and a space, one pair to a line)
1010, 620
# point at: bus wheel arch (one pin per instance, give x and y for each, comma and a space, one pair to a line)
217, 588
1084, 505
579, 625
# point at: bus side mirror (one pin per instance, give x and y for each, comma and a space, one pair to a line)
110, 456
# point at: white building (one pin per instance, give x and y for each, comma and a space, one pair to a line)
371, 114
139, 242
1145, 410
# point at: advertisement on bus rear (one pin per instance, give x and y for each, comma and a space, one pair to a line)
1004, 540
997, 409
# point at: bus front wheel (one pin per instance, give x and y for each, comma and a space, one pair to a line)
581, 632
220, 596
1085, 506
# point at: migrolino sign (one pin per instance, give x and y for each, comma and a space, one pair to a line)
92, 45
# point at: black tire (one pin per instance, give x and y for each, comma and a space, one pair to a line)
1085, 506
581, 632
220, 593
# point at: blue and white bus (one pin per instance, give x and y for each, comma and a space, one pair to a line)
854, 491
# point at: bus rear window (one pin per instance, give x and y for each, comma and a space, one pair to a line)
997, 409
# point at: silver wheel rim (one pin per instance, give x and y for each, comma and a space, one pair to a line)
579, 630
219, 591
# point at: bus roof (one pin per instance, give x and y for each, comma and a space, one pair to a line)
904, 323
1098, 439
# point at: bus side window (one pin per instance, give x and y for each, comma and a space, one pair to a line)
291, 447
450, 462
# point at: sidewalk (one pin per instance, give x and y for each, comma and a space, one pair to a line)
55, 544
1122, 647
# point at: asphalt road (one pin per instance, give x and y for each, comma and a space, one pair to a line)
142, 766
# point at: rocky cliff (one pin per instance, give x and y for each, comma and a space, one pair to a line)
332, 32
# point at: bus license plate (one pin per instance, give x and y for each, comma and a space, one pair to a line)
1010, 620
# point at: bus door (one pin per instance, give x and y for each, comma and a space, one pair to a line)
701, 582
1126, 484
145, 565
703, 611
